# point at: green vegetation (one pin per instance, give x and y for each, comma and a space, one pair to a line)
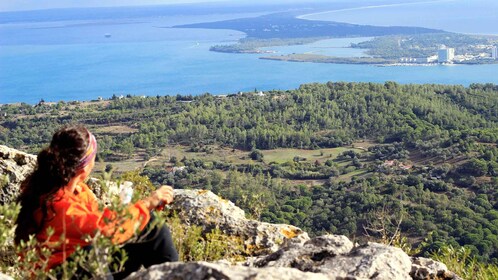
105, 257
462, 263
324, 157
330, 59
286, 25
252, 45
193, 245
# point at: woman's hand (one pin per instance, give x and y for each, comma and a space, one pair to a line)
163, 195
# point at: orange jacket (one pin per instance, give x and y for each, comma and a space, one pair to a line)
75, 215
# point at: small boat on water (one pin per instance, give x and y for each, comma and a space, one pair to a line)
107, 35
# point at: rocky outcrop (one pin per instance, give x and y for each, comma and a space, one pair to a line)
424, 268
204, 208
14, 166
204, 270
336, 256
289, 253
324, 257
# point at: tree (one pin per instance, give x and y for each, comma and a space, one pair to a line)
256, 155
474, 167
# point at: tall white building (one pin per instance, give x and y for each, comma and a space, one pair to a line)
445, 55
494, 52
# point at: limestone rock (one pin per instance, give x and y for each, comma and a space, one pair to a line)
204, 208
5, 277
335, 255
204, 270
304, 256
14, 167
371, 261
428, 269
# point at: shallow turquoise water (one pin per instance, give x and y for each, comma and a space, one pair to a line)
332, 47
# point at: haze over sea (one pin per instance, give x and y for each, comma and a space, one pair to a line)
64, 54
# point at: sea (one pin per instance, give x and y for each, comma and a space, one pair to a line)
73, 57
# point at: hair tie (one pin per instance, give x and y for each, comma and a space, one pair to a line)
90, 152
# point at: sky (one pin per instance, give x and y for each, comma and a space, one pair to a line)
19, 5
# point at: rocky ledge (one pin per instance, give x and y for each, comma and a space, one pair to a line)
286, 252
278, 251
14, 166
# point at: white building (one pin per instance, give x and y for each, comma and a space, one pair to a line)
445, 55
418, 60
494, 52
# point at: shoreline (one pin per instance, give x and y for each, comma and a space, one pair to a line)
105, 101
380, 62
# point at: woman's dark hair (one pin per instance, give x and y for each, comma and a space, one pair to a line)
56, 166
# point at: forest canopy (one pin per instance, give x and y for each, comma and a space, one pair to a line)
431, 163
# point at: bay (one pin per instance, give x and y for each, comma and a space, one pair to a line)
331, 47
74, 60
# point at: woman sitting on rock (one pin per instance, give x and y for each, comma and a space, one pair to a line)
55, 196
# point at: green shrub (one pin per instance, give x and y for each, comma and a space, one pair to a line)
193, 245
461, 261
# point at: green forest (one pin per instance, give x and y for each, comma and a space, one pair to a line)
361, 159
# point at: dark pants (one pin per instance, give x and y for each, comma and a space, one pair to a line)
154, 246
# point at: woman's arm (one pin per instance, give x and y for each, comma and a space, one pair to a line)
87, 218
161, 196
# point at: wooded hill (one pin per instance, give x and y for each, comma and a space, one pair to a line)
429, 169
287, 25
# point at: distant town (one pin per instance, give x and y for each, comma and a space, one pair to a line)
421, 49
447, 55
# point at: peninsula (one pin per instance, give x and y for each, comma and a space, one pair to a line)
391, 45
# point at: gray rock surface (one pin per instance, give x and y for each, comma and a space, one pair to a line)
14, 166
204, 270
308, 256
335, 255
323, 257
429, 269
204, 208
371, 261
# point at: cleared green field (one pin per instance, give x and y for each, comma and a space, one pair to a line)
214, 153
283, 155
347, 177
235, 156
120, 166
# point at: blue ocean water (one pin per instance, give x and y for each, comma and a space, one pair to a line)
74, 60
